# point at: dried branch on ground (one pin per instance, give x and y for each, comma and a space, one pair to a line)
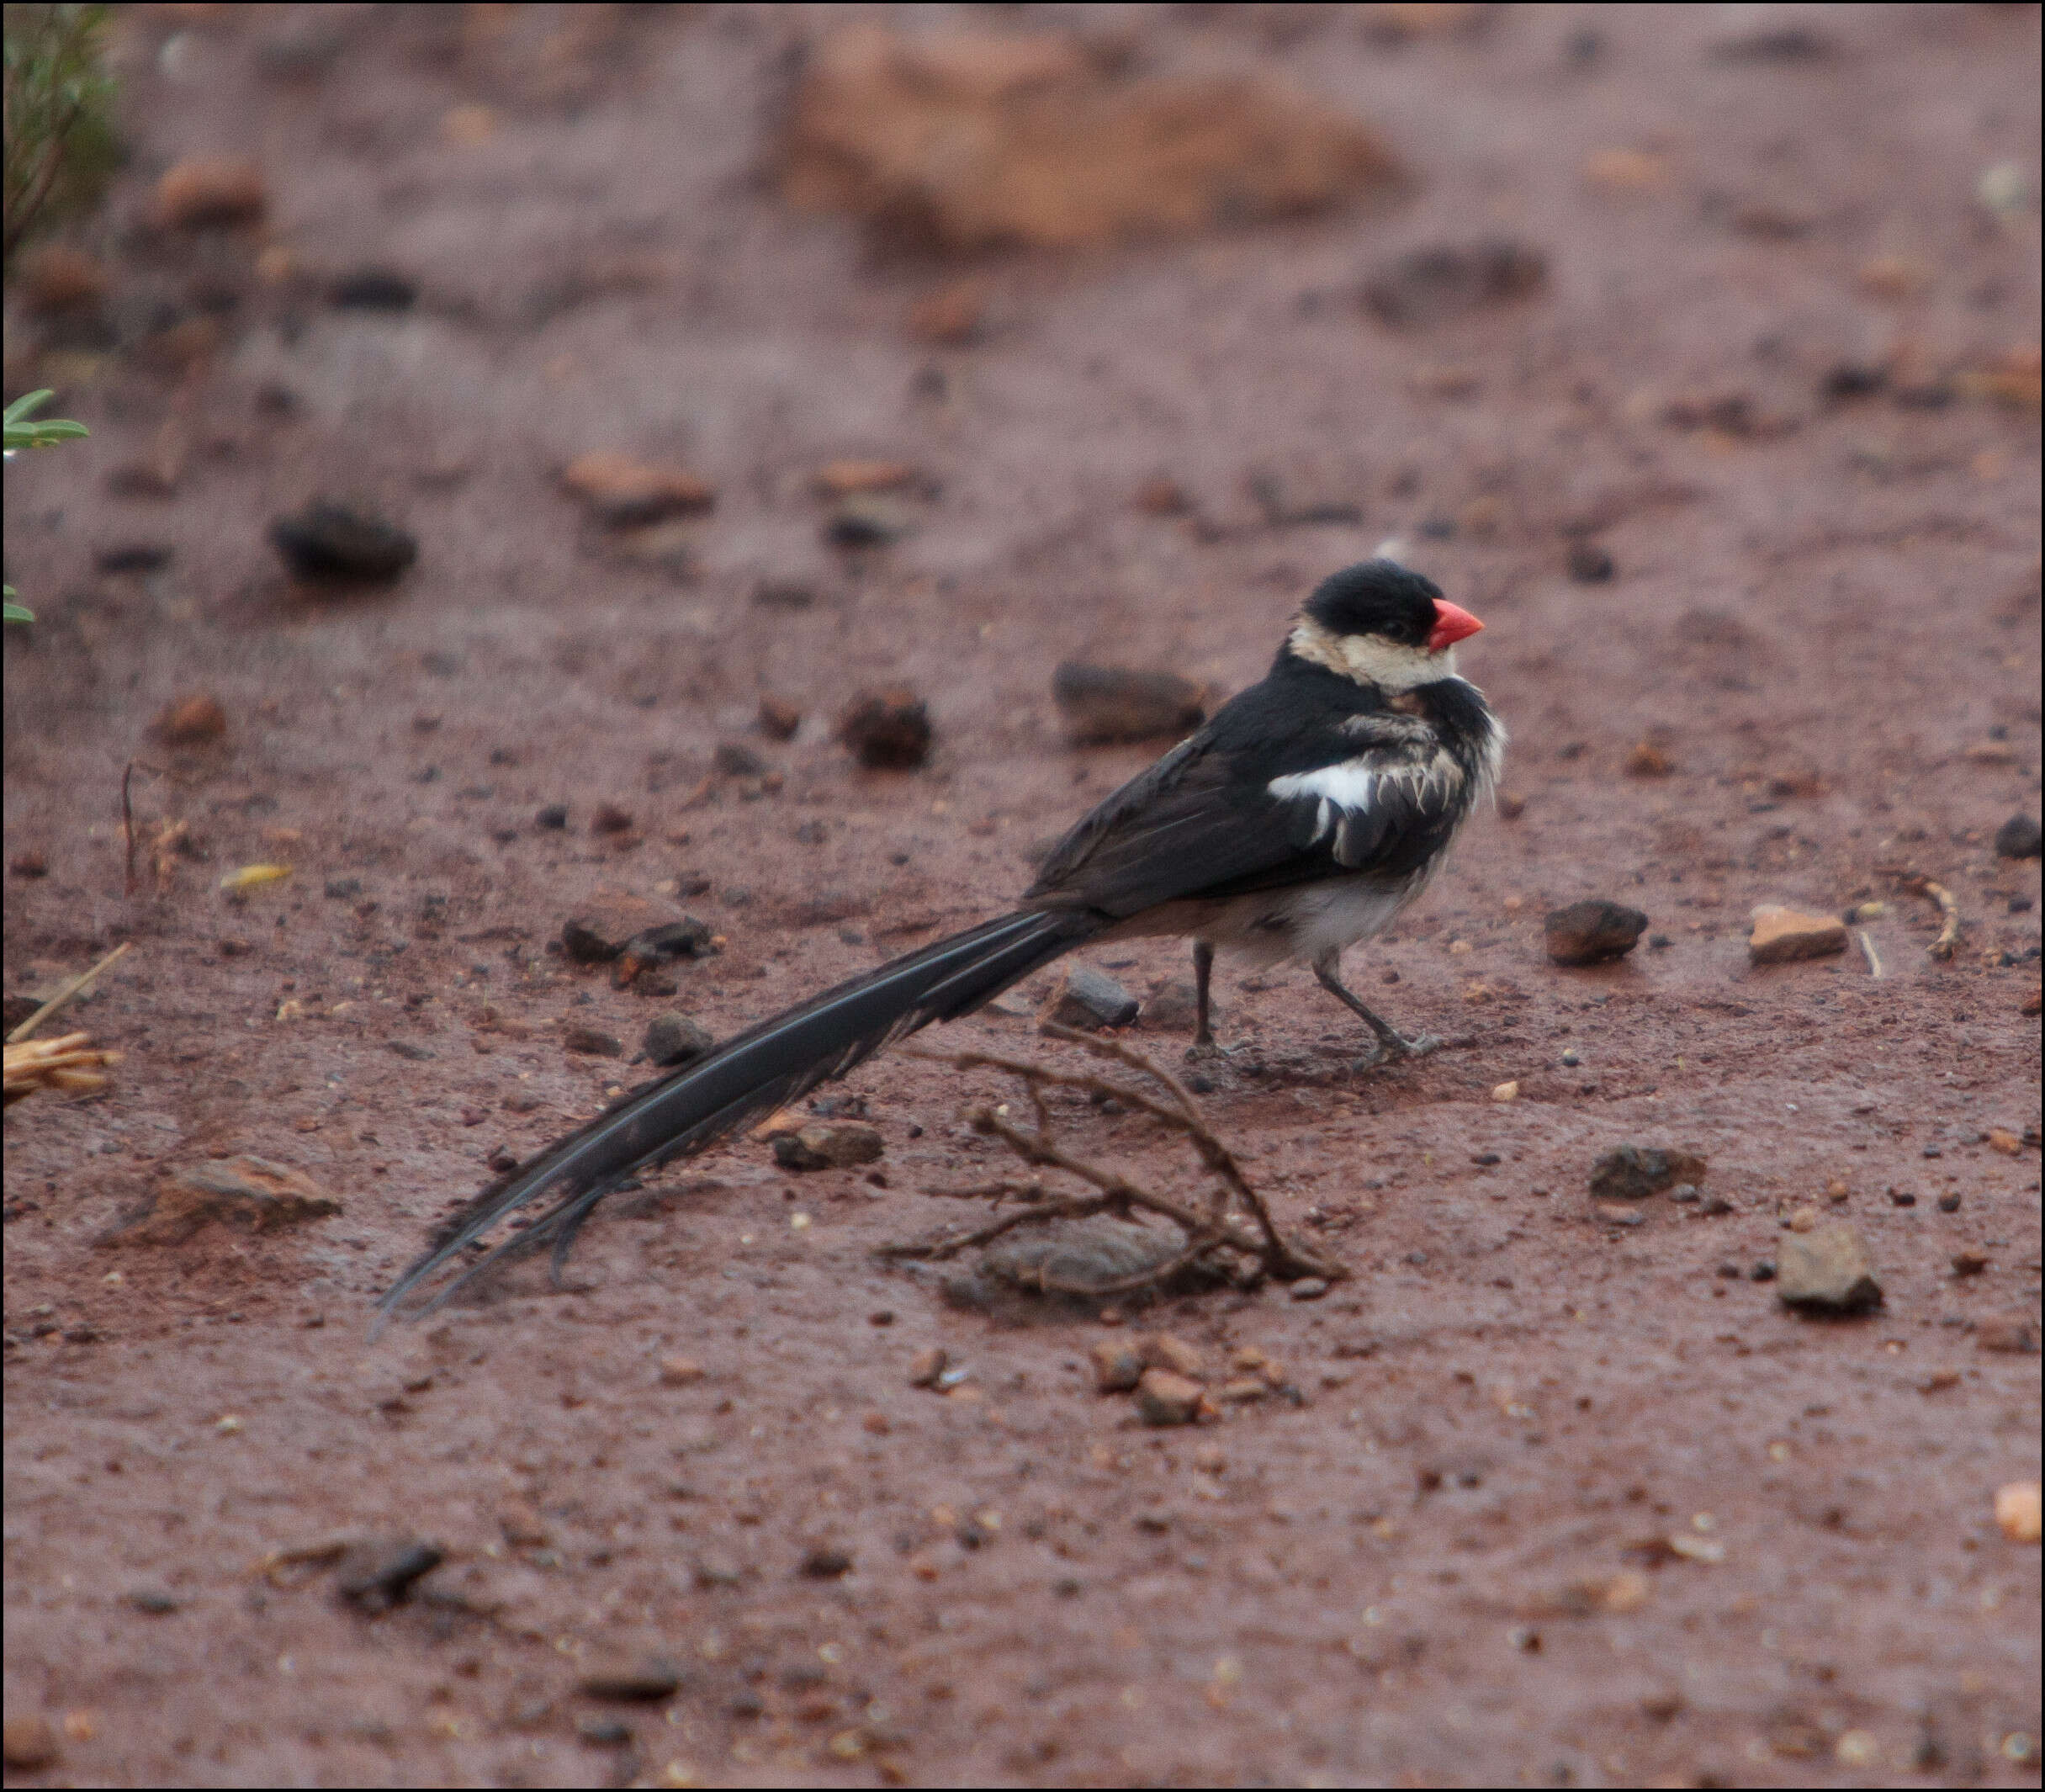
1229, 1223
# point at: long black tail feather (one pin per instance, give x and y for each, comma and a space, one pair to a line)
766, 1067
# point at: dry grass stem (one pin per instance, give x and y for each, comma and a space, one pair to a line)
82, 981
70, 1063
1948, 939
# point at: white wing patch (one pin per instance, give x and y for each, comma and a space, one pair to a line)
1350, 789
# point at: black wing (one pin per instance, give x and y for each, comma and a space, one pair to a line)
1294, 781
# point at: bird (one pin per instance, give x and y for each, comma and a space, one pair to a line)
1302, 818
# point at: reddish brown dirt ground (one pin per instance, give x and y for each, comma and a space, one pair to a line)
1560, 1503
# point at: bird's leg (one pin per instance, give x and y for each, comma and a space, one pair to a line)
1391, 1042
1203, 970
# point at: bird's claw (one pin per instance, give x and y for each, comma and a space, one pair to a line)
1397, 1049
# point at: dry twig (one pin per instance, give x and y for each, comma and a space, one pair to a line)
70, 1063
1948, 939
1233, 1218
69, 990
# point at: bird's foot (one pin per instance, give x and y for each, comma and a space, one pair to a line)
1396, 1047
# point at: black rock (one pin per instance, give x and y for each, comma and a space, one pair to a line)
1429, 285
1633, 1172
331, 544
1589, 563
674, 1039
374, 289
376, 1575
1115, 703
2017, 838
136, 556
888, 729
554, 815
1591, 931
1088, 999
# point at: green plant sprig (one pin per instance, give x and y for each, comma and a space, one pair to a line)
21, 433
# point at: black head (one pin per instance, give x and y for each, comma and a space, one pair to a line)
1377, 597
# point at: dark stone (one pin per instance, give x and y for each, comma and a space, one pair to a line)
1589, 563
733, 759
1634, 1172
639, 1681
374, 289
136, 556
1591, 931
330, 543
2017, 838
378, 1575
827, 1564
1113, 703
554, 816
842, 1145
868, 522
1089, 999
784, 594
592, 1043
674, 1039
888, 729
1431, 285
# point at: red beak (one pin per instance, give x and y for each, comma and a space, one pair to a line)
1451, 624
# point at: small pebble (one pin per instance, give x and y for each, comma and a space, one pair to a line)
331, 544
1634, 1172
1164, 1398
1967, 1263
2016, 1513
868, 521
1102, 703
379, 1574
590, 1041
191, 721
2015, 1336
887, 730
1591, 931
1506, 1092
30, 1740
1308, 1288
211, 191
1118, 1365
622, 492
673, 1039
1782, 934
1162, 1350
1090, 1000
1589, 563
1826, 1270
1946, 1203
679, 1372
636, 1680
826, 1563
372, 289
2018, 838
927, 1366
1571, 1058
1432, 285
840, 1145
153, 1600
778, 719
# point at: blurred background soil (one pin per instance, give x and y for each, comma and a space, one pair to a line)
671, 359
